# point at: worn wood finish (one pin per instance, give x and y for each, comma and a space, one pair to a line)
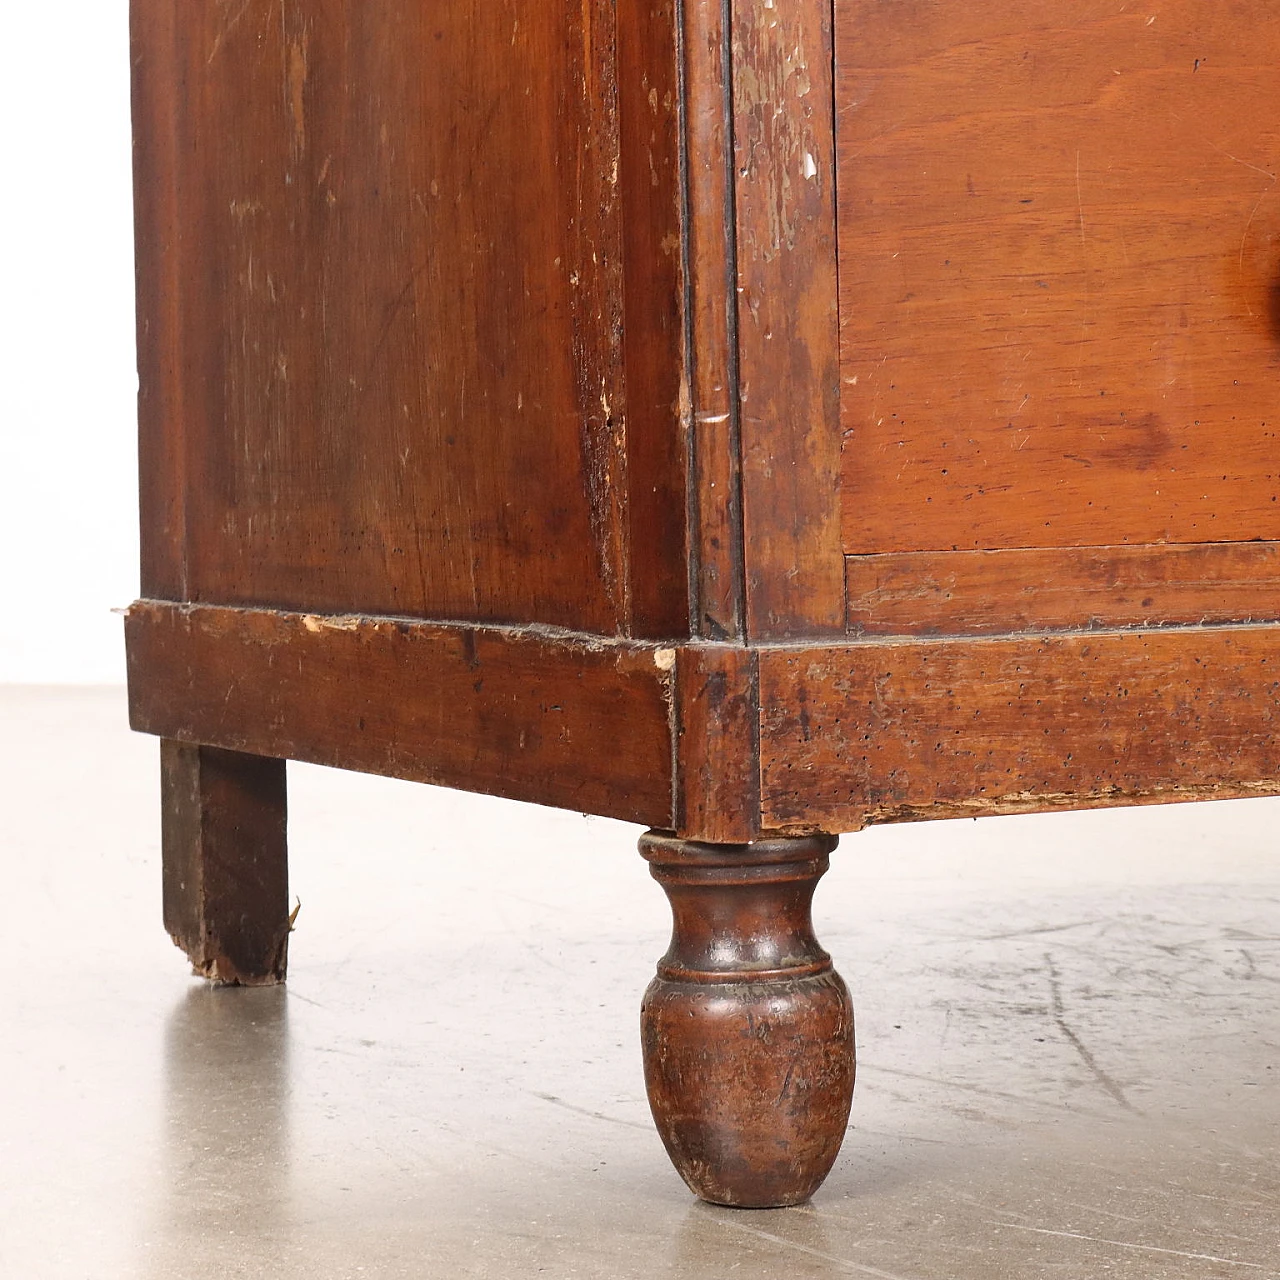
226, 878
717, 581
992, 592
157, 230
570, 721
653, 333
717, 751
384, 363
884, 731
492, 403
747, 1029
788, 344
1059, 246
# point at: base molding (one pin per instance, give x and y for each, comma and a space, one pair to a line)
576, 722
721, 742
884, 731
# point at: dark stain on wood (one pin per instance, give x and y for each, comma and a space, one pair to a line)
226, 879
596, 297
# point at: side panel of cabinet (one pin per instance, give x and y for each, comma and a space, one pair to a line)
389, 302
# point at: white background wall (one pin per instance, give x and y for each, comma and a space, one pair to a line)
68, 540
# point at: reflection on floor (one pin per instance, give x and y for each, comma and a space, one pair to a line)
1069, 1042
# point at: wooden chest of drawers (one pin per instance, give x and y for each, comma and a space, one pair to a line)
750, 420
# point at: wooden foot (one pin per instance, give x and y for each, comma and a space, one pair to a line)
226, 889
747, 1029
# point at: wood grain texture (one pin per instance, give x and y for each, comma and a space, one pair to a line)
992, 592
1060, 273
653, 338
717, 748
570, 721
747, 1029
225, 862
393, 377
788, 357
157, 231
893, 730
717, 581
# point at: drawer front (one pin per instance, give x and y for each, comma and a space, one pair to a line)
1059, 246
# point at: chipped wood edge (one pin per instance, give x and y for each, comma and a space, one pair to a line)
530, 713
717, 572
1192, 711
1049, 802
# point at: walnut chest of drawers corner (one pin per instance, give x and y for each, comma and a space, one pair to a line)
751, 420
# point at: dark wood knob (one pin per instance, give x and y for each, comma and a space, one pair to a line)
747, 1029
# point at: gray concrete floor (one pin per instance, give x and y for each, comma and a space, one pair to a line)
1069, 1035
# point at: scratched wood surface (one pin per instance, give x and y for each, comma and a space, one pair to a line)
717, 578
787, 327
1059, 273
1040, 589
223, 820
580, 723
658, 540
717, 743
382, 304
883, 731
526, 313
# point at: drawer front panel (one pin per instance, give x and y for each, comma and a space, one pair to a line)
1059, 232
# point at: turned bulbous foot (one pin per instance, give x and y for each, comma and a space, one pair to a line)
747, 1030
